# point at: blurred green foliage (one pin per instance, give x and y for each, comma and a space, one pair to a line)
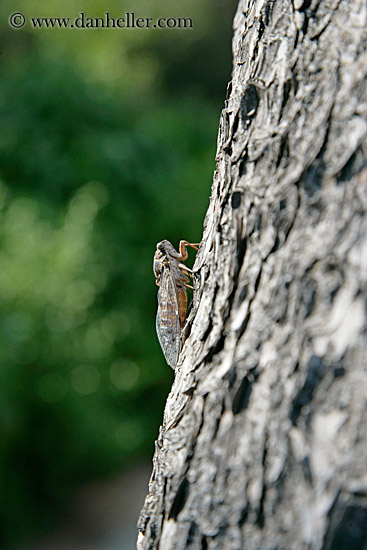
107, 146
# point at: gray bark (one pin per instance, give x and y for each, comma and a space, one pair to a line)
263, 442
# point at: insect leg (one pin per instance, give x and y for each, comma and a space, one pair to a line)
184, 267
186, 270
183, 250
193, 245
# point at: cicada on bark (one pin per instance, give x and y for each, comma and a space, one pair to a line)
172, 277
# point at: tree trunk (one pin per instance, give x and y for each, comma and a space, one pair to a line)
263, 443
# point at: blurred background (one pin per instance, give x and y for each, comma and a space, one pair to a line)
107, 146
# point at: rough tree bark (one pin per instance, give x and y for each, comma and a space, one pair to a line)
263, 443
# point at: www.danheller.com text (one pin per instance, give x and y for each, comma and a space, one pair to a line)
107, 21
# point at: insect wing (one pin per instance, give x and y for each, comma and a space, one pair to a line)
168, 319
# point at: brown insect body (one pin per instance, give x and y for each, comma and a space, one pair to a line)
172, 279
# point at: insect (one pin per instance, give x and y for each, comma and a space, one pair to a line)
172, 277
